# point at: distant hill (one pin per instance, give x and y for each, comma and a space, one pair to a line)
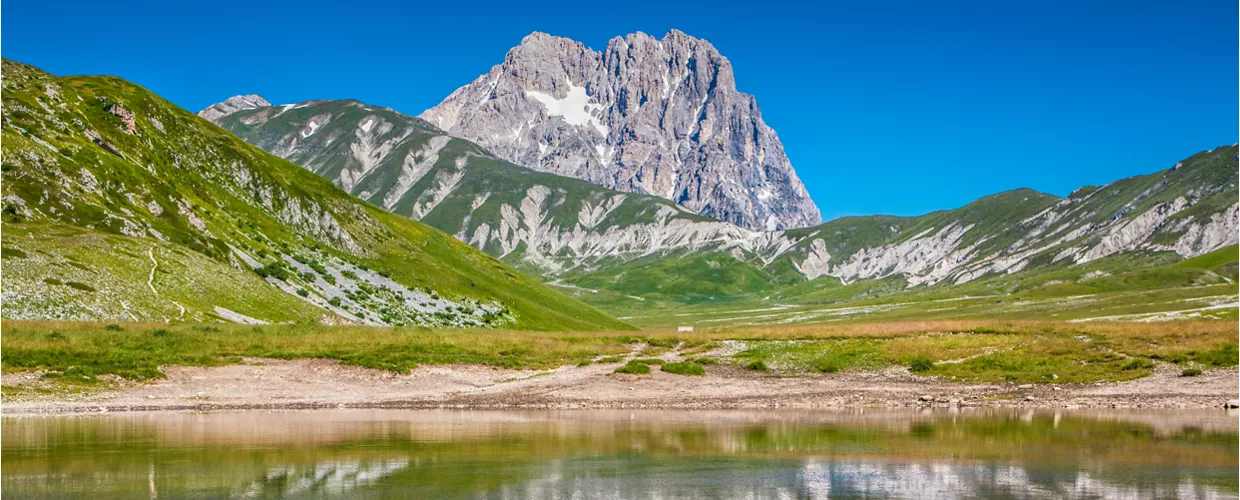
577, 234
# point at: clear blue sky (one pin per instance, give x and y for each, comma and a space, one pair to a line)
883, 107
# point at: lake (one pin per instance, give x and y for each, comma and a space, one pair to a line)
588, 454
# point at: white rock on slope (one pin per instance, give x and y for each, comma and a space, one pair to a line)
1217, 232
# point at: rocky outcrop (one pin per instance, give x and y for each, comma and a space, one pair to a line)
660, 117
128, 121
233, 105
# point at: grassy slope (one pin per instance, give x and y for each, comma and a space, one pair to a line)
1133, 287
1208, 175
684, 278
691, 279
83, 274
996, 215
202, 189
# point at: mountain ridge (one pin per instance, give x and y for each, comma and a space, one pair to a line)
543, 233
621, 118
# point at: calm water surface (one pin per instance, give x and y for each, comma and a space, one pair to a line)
623, 454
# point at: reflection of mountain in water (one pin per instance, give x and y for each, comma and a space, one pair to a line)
624, 478
619, 455
968, 480
325, 479
639, 476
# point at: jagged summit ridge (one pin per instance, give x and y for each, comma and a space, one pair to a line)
645, 115
232, 105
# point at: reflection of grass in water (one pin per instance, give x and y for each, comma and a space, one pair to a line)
467, 463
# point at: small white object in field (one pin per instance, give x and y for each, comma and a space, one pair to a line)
684, 328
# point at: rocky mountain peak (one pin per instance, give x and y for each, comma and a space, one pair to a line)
232, 105
645, 115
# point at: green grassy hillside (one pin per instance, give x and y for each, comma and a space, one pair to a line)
100, 174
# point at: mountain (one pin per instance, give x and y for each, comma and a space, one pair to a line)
579, 234
117, 205
1189, 209
233, 105
1179, 213
539, 221
660, 117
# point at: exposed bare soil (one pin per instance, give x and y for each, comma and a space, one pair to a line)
316, 383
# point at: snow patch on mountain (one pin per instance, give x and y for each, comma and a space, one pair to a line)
575, 107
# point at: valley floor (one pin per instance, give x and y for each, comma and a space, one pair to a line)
319, 383
81, 367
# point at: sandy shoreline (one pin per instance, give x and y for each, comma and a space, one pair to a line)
317, 383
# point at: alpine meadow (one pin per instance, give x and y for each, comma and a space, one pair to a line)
599, 273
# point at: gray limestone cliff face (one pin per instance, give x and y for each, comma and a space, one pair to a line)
660, 117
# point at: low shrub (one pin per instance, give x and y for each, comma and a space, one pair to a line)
1191, 372
634, 368
828, 366
920, 365
684, 368
757, 366
275, 270
86, 288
